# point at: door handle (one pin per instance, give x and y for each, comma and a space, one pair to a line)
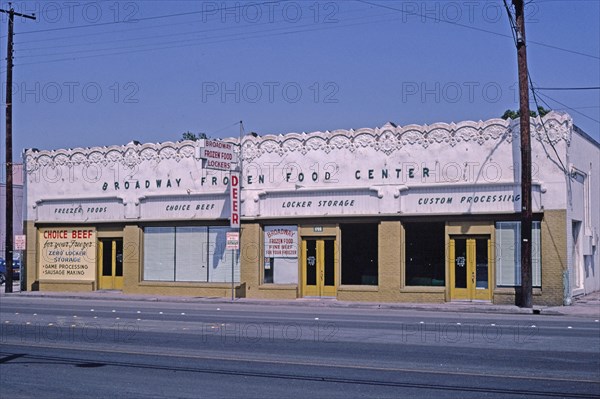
322, 275
473, 278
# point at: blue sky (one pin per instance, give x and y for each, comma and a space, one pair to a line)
108, 72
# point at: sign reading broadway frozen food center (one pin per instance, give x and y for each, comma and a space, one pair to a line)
281, 241
218, 155
67, 253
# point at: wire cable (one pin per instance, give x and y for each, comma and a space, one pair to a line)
194, 42
476, 29
514, 32
138, 19
568, 88
569, 108
292, 29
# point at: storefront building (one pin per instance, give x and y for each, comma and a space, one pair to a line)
138, 218
391, 214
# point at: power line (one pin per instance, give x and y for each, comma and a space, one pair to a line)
274, 2
139, 19
569, 108
587, 107
216, 29
476, 29
188, 33
515, 34
534, 89
153, 37
54, 39
194, 42
568, 88
232, 36
537, 107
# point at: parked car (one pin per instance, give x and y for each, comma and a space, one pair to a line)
16, 270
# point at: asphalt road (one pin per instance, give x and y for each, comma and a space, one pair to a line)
58, 348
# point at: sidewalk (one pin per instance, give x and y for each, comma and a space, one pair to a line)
585, 306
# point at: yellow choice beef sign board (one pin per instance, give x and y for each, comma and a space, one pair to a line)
67, 253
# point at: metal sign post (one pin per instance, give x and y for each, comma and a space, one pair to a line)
233, 243
220, 155
234, 219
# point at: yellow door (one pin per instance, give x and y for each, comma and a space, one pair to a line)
470, 268
318, 267
110, 264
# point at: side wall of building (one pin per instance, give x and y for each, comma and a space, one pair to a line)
583, 216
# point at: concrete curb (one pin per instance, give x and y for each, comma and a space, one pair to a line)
584, 307
325, 303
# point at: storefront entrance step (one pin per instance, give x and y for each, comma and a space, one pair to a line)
317, 298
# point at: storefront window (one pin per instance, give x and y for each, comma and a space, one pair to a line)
195, 253
281, 255
159, 253
190, 258
508, 254
425, 255
220, 259
359, 253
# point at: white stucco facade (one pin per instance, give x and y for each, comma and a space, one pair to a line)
463, 173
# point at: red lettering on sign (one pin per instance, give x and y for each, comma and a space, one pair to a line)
234, 197
81, 234
54, 234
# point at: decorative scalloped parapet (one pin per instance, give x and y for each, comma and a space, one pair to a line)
386, 139
128, 155
390, 138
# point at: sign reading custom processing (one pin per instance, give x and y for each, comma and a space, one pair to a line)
281, 241
67, 253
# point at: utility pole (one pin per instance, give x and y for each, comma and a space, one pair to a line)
8, 247
526, 213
